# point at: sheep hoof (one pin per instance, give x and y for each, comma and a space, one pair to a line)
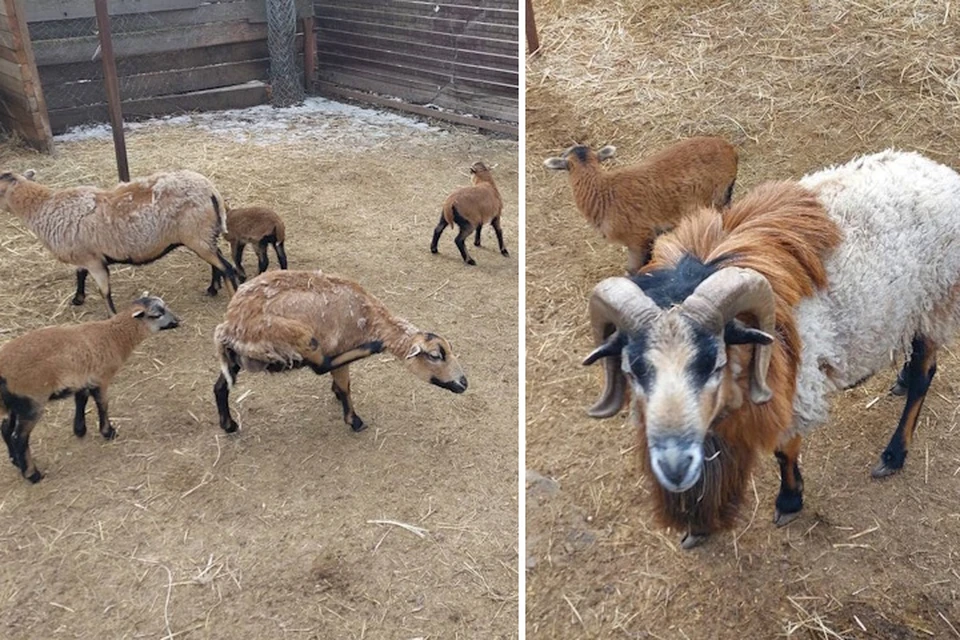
477, 243
80, 431
882, 470
471, 262
231, 427
505, 253
211, 292
433, 249
898, 389
357, 424
77, 301
692, 540
110, 433
783, 519
35, 477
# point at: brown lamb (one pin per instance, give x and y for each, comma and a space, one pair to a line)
470, 208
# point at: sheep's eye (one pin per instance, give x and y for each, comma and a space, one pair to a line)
154, 316
435, 357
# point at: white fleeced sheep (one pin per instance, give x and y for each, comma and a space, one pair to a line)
136, 222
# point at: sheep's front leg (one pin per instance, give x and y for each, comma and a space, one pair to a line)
100, 397
499, 231
20, 445
101, 275
79, 416
81, 294
637, 257
341, 389
790, 498
920, 371
215, 281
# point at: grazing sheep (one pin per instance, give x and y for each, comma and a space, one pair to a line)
258, 226
632, 205
470, 208
284, 320
735, 334
134, 223
80, 361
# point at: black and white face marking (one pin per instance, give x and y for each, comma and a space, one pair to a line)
156, 314
675, 369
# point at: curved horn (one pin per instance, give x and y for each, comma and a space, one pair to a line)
728, 293
616, 305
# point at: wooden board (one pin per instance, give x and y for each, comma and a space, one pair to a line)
423, 21
475, 12
335, 27
444, 47
42, 10
237, 97
24, 109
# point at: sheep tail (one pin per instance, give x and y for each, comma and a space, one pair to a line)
449, 211
220, 209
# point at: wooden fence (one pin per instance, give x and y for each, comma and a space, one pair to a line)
172, 56
22, 109
461, 55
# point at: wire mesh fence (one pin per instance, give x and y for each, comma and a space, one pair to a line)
287, 90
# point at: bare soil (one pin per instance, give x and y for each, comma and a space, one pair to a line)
176, 529
797, 86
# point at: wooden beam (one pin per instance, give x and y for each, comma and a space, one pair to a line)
309, 53
327, 88
45, 10
113, 89
533, 40
37, 131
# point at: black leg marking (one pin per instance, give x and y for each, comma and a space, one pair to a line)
79, 416
281, 254
221, 391
238, 261
436, 234
900, 387
460, 241
499, 231
228, 271
6, 428
113, 307
476, 239
920, 371
349, 416
262, 260
81, 293
215, 281
790, 498
106, 429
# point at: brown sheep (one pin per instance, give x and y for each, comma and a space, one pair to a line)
134, 223
632, 205
284, 320
80, 361
470, 208
258, 226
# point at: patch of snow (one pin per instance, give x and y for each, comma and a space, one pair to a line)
316, 120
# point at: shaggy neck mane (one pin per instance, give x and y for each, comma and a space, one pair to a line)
26, 197
396, 333
781, 231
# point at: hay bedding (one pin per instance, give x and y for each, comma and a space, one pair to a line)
796, 85
175, 529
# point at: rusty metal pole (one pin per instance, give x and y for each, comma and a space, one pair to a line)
113, 89
533, 40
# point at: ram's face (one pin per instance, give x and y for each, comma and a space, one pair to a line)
676, 370
8, 179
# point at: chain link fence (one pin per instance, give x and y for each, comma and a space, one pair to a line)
285, 74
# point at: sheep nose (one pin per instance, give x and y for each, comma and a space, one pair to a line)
463, 382
675, 470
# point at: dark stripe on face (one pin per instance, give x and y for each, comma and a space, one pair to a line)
635, 351
704, 361
672, 285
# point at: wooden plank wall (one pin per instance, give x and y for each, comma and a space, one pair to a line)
22, 108
461, 55
172, 56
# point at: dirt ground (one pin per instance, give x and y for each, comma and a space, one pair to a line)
176, 529
797, 86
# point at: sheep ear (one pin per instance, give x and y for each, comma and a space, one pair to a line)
30, 174
557, 164
737, 332
607, 152
138, 313
612, 347
415, 350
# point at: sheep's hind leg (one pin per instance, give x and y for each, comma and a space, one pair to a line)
215, 282
499, 231
79, 416
460, 241
221, 391
281, 254
920, 371
899, 387
6, 428
236, 251
101, 275
215, 259
476, 239
81, 295
106, 429
790, 498
341, 389
262, 260
436, 234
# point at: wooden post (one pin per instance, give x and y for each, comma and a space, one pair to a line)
309, 53
113, 89
32, 121
533, 40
